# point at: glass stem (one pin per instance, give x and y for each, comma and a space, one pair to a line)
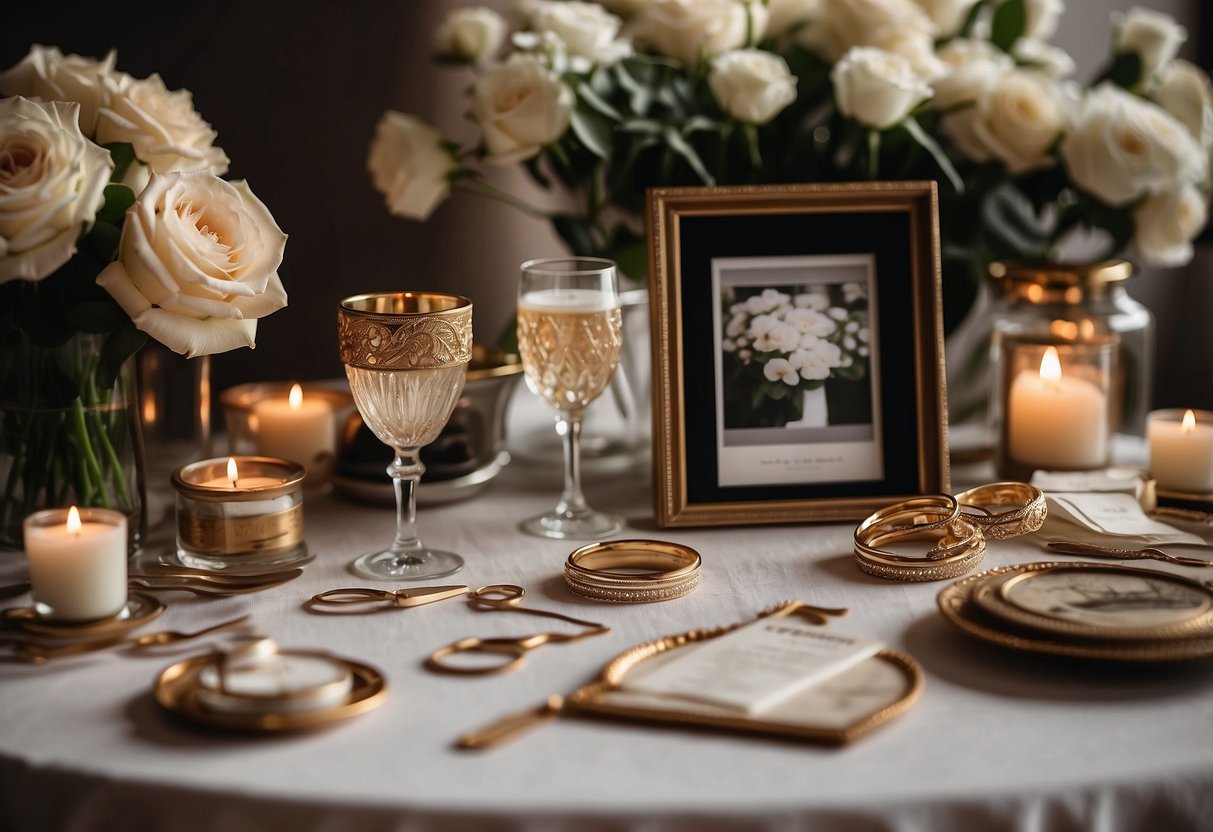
406, 470
568, 425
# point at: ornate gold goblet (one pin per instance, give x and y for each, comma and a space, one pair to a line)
406, 357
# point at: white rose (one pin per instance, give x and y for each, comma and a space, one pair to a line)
876, 88
587, 30
785, 15
842, 26
778, 369
52, 183
1153, 36
520, 106
410, 165
198, 263
1165, 225
49, 74
162, 125
752, 85
1042, 18
691, 29
1123, 147
1184, 92
1015, 120
972, 67
474, 33
948, 15
1044, 57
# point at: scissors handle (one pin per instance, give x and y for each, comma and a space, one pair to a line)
352, 595
511, 648
496, 597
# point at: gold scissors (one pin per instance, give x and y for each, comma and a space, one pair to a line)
408, 597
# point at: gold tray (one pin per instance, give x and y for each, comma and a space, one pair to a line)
139, 610
834, 712
176, 691
957, 605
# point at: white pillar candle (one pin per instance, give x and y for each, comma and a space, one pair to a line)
296, 428
77, 563
1181, 450
1056, 422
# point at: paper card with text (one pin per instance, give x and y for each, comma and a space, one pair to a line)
757, 666
1090, 518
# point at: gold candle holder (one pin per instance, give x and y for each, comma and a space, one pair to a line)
239, 511
1055, 405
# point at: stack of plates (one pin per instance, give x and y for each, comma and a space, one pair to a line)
1087, 610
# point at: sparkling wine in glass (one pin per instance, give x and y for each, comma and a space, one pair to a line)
406, 357
569, 337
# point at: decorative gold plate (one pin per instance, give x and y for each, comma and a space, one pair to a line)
957, 603
834, 712
139, 610
177, 685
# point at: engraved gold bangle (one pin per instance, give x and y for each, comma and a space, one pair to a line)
633, 571
1027, 515
961, 547
935, 511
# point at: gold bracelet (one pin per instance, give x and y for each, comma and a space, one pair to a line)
962, 546
633, 571
1027, 516
917, 514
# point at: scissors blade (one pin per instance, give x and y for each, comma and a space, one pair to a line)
427, 595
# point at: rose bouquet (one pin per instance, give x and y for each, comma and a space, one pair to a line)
114, 225
779, 346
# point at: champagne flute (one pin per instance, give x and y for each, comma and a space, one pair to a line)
569, 336
406, 357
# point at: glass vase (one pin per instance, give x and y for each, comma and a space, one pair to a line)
1086, 303
69, 434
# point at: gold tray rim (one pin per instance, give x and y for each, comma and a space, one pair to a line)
956, 605
175, 685
27, 619
587, 700
991, 596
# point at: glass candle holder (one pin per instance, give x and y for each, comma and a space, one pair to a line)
77, 563
1055, 406
269, 419
235, 512
1181, 451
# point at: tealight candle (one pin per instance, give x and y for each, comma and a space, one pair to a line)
77, 562
1056, 419
244, 509
295, 427
1181, 450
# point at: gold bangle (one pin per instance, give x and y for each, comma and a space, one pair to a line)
962, 546
1027, 515
917, 514
633, 571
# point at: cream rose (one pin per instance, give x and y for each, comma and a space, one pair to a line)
752, 85
841, 26
1042, 18
1165, 225
971, 67
198, 263
474, 33
1184, 92
520, 106
587, 30
691, 29
410, 165
1016, 119
1153, 36
948, 15
52, 182
1043, 57
49, 74
876, 88
785, 15
162, 125
1123, 147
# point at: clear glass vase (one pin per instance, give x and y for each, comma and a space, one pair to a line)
1073, 302
69, 434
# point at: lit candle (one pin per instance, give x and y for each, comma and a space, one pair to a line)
232, 480
77, 563
1181, 450
296, 428
1056, 422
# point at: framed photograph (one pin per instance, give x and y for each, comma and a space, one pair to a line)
798, 351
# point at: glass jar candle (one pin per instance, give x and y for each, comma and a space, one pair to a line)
1181, 452
240, 511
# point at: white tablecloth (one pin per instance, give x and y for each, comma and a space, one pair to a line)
998, 740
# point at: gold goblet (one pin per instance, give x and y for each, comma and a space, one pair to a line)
406, 357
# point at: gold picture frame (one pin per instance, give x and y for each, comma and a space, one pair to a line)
863, 256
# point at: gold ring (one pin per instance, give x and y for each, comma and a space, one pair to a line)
1028, 512
961, 544
633, 571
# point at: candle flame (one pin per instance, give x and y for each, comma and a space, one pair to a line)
1050, 366
296, 397
73, 521
233, 473
1189, 422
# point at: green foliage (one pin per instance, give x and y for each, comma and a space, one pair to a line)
1009, 24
